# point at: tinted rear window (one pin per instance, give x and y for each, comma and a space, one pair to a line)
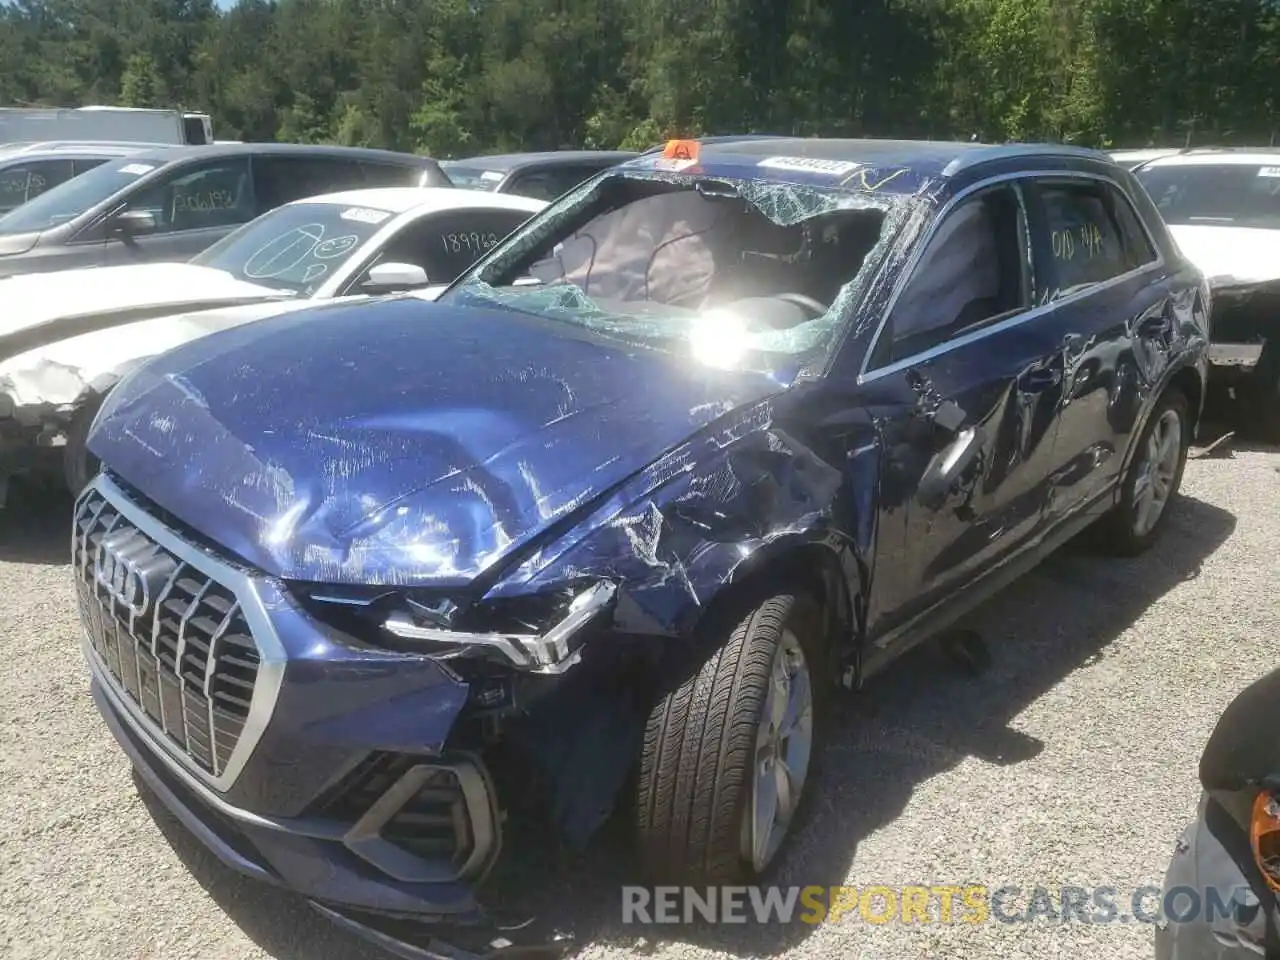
474, 178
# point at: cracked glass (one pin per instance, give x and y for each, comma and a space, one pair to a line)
740, 274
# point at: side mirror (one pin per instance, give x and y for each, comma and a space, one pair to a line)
132, 223
949, 465
390, 277
1243, 750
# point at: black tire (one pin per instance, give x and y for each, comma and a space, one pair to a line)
699, 754
78, 464
1116, 532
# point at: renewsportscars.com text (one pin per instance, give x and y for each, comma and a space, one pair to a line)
967, 903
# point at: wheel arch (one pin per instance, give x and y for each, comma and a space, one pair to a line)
820, 565
1187, 380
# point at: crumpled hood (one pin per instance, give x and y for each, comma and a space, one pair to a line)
398, 442
45, 307
1231, 255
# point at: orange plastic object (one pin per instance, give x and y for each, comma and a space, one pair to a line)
681, 150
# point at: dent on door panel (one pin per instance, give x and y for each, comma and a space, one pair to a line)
1008, 493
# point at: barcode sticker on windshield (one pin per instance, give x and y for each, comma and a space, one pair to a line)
136, 169
490, 176
364, 215
1269, 172
836, 168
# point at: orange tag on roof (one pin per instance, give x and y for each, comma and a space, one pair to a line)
681, 150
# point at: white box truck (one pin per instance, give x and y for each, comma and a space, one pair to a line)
116, 124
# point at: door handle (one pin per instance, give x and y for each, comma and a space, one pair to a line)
949, 466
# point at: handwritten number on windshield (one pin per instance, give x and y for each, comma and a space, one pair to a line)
474, 243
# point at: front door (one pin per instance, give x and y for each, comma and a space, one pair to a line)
194, 206
964, 383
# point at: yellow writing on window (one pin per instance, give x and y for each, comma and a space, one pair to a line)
1084, 240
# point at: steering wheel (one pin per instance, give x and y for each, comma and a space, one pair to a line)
801, 300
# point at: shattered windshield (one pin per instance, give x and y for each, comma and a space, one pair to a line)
1234, 194
297, 247
739, 274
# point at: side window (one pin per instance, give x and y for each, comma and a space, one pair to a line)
973, 272
446, 244
1137, 244
282, 179
389, 175
547, 184
196, 197
1084, 240
20, 183
84, 164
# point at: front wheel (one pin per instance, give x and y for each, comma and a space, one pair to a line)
1153, 479
728, 755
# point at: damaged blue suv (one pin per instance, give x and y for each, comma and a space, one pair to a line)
723, 431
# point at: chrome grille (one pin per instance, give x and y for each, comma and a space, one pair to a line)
174, 640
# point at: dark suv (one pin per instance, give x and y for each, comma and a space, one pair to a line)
720, 433
171, 203
542, 176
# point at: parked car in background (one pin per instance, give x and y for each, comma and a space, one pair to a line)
1223, 208
730, 428
543, 176
169, 204
1135, 158
1221, 895
67, 337
29, 169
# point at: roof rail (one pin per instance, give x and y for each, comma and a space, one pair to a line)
989, 153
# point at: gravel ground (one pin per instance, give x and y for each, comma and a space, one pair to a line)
1071, 761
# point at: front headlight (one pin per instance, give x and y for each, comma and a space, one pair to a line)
552, 649
1264, 837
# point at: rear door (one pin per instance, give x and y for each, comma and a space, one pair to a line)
282, 178
962, 366
1102, 278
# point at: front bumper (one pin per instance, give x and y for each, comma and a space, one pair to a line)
295, 760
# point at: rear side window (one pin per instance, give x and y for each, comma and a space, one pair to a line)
20, 183
1084, 242
1137, 243
390, 175
83, 164
279, 180
548, 184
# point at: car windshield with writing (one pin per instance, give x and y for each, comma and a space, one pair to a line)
473, 178
1230, 194
73, 197
741, 274
297, 247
